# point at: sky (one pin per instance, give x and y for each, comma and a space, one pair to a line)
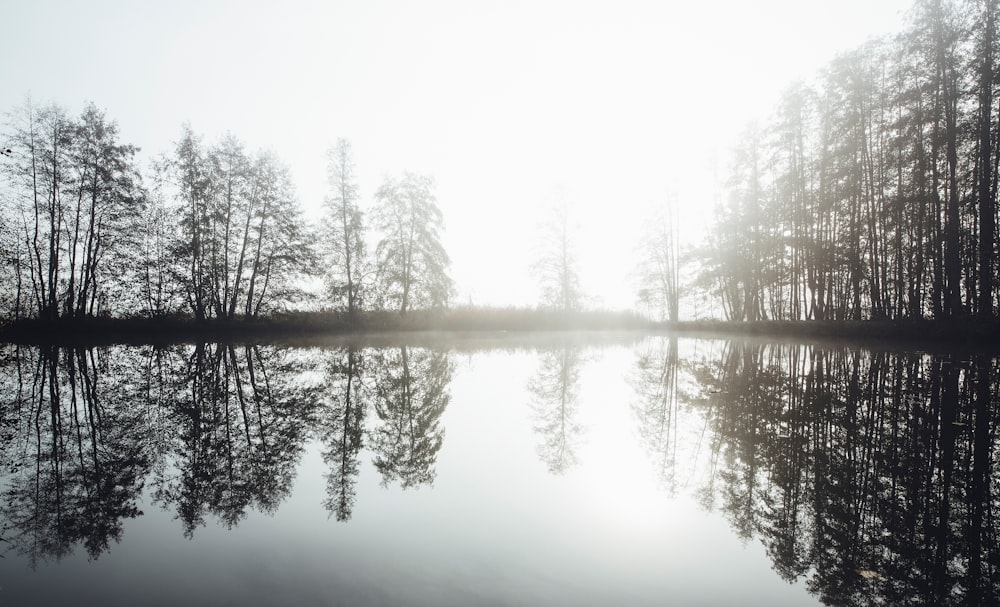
512, 106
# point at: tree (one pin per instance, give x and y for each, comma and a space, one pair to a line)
740, 239
558, 275
985, 188
658, 273
158, 268
344, 231
186, 171
244, 243
412, 265
42, 137
283, 256
873, 196
75, 203
101, 228
233, 197
789, 158
948, 78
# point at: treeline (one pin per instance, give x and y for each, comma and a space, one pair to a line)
209, 231
873, 192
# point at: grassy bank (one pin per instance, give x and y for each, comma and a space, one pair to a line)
317, 324
300, 324
968, 331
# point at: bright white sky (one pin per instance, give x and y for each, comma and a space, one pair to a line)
508, 104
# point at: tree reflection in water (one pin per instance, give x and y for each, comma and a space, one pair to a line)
411, 393
74, 448
342, 425
215, 429
655, 407
868, 473
239, 421
555, 389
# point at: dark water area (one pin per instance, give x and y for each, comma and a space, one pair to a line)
639, 471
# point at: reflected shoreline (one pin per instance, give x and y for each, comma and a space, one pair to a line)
862, 472
979, 334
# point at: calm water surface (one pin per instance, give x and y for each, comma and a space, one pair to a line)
555, 471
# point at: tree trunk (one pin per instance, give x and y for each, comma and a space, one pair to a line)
987, 206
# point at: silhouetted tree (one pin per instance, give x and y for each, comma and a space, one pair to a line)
737, 251
158, 268
185, 170
76, 199
101, 232
874, 191
986, 173
283, 254
243, 240
344, 238
412, 265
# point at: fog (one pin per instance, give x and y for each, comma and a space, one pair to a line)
609, 108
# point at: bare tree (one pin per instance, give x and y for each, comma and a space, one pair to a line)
344, 241
659, 266
75, 201
558, 274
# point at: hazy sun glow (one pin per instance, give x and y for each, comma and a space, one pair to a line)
619, 105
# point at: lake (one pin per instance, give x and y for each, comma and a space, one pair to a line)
554, 469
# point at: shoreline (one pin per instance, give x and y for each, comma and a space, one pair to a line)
304, 325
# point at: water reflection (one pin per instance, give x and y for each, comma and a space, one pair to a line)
411, 393
655, 407
342, 426
215, 430
239, 419
869, 475
75, 452
555, 391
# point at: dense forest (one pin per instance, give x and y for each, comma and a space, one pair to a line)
871, 193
